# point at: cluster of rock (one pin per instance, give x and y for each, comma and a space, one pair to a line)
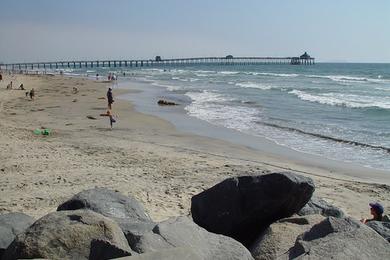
271, 216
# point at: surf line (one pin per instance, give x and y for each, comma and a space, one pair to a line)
339, 140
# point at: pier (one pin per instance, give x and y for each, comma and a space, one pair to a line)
304, 59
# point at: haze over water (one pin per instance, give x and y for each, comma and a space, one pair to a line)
339, 111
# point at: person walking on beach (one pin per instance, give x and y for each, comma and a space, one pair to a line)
376, 210
32, 94
110, 98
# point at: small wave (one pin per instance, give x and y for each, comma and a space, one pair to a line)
348, 79
344, 100
229, 72
207, 97
168, 87
274, 74
339, 140
254, 85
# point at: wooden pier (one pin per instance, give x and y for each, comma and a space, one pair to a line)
304, 59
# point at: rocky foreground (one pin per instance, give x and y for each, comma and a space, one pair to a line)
271, 216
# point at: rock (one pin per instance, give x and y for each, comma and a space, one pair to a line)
319, 206
382, 228
125, 210
12, 224
280, 236
340, 238
162, 102
91, 117
66, 235
102, 249
183, 232
242, 207
181, 253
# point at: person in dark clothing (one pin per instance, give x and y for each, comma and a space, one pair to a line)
32, 94
110, 98
376, 211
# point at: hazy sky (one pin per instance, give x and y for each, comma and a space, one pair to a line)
330, 30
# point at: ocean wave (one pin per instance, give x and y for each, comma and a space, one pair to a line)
335, 139
345, 100
254, 85
273, 74
229, 72
207, 97
168, 87
240, 118
348, 79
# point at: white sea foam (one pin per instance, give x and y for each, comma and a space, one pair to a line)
168, 87
212, 108
254, 85
274, 74
349, 79
229, 72
346, 100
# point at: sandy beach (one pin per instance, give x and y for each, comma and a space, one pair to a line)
143, 155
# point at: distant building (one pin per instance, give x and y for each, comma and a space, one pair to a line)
305, 56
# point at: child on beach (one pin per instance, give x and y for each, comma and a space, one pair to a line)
376, 211
111, 118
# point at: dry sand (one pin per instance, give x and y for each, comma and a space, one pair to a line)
143, 155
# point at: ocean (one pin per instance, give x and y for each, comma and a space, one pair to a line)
339, 111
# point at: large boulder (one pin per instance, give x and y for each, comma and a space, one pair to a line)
280, 236
12, 224
125, 210
184, 233
340, 238
242, 207
317, 205
382, 228
68, 235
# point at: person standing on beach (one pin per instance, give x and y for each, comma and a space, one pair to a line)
32, 94
110, 98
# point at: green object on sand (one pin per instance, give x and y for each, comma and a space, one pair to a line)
45, 131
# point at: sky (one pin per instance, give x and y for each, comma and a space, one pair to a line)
329, 30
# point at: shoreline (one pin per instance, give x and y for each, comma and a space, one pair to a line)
143, 155
187, 124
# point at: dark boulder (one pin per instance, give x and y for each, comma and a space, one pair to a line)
340, 238
12, 224
317, 205
280, 236
67, 235
182, 232
103, 249
162, 102
382, 228
242, 207
125, 210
